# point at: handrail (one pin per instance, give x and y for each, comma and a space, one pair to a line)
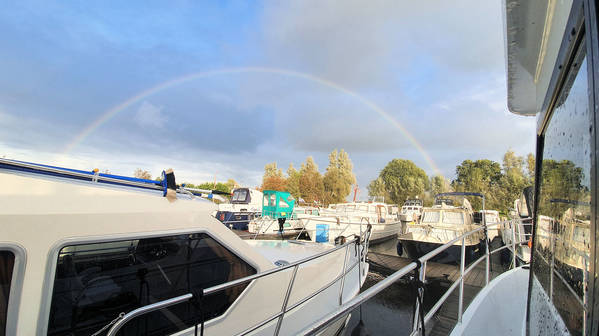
372, 291
346, 307
357, 241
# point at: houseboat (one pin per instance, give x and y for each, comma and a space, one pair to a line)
244, 206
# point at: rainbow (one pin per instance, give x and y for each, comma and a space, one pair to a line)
109, 114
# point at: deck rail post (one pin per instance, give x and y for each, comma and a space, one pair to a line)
462, 262
343, 271
513, 224
421, 277
287, 295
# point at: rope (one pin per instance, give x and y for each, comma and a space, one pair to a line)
197, 301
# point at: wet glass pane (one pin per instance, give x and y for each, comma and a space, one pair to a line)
96, 282
562, 225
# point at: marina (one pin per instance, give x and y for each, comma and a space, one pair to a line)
495, 249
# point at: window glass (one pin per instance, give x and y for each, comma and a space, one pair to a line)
431, 217
240, 195
7, 264
453, 218
96, 282
272, 200
561, 260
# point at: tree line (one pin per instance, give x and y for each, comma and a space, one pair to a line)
500, 183
309, 184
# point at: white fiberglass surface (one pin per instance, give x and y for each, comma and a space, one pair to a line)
431, 217
275, 250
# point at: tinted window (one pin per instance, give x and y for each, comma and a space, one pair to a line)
239, 195
7, 263
561, 260
96, 282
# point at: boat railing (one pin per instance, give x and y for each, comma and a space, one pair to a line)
420, 265
361, 247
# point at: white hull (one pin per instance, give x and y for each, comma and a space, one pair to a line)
336, 228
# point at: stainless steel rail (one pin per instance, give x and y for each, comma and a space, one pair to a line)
357, 242
345, 308
366, 295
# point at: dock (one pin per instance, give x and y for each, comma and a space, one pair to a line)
439, 278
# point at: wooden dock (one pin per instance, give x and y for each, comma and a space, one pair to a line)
441, 276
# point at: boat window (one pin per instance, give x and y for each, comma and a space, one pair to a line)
94, 283
561, 260
453, 218
431, 217
7, 263
272, 200
239, 195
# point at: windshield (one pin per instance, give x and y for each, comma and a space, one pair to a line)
453, 217
431, 217
239, 195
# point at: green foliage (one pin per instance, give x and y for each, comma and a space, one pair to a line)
377, 188
310, 182
338, 178
220, 186
402, 179
293, 181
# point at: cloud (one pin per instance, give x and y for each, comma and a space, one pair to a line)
149, 115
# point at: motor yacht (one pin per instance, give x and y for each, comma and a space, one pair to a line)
411, 210
351, 219
244, 206
85, 253
439, 225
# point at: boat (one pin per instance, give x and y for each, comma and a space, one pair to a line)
552, 51
349, 219
439, 225
411, 210
245, 205
490, 217
87, 253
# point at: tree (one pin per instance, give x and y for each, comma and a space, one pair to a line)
377, 188
293, 181
231, 184
403, 179
273, 178
310, 182
439, 184
338, 178
482, 176
142, 174
513, 180
530, 167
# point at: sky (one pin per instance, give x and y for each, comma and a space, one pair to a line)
216, 90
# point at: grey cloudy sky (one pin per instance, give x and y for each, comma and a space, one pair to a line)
334, 74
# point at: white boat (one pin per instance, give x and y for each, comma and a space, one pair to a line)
491, 217
245, 205
266, 225
349, 219
439, 225
82, 253
411, 210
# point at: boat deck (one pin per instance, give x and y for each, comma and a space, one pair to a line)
440, 275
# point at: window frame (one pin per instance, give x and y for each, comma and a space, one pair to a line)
16, 285
52, 261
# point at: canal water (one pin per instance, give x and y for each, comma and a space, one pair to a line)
391, 311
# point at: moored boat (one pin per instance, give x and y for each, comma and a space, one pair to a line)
85, 253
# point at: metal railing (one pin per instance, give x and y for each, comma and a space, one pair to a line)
380, 286
361, 248
347, 307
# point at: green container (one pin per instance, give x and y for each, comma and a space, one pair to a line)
277, 204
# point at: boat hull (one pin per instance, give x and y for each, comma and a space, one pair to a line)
415, 249
235, 220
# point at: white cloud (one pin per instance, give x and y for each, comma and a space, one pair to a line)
149, 115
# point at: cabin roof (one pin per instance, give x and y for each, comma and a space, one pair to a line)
533, 36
